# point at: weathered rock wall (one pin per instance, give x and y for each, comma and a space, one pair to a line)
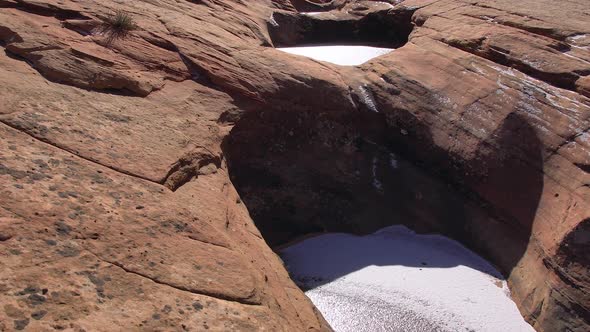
117, 209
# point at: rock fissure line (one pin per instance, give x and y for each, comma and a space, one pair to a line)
521, 66
209, 243
188, 167
217, 296
565, 81
49, 10
176, 177
566, 141
516, 27
538, 32
73, 153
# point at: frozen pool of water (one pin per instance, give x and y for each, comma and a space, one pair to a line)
396, 280
340, 55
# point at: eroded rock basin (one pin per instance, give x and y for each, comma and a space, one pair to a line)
339, 54
397, 280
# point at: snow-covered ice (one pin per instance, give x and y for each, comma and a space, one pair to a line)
368, 98
340, 55
396, 280
312, 13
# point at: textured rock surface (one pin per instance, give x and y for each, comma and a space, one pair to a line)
116, 207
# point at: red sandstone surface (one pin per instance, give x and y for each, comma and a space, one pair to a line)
117, 208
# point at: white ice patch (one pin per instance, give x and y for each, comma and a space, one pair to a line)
567, 101
376, 183
272, 20
577, 58
368, 98
312, 13
581, 47
577, 37
580, 41
488, 19
393, 161
478, 69
340, 55
396, 280
502, 85
443, 99
585, 137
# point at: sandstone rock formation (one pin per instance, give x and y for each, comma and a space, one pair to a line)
129, 170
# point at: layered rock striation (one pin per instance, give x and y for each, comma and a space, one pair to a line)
136, 173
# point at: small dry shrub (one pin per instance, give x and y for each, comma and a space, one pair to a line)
116, 26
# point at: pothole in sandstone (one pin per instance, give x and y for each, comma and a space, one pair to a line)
341, 55
308, 175
396, 280
339, 36
308, 172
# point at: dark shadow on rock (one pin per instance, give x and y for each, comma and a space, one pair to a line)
304, 170
573, 252
315, 6
509, 176
385, 28
492, 198
298, 170
572, 265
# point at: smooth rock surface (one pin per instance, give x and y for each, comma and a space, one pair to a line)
135, 175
